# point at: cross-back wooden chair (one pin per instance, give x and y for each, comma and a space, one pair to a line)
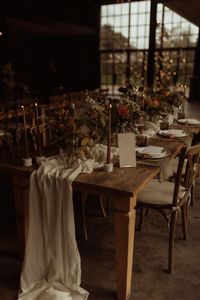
192, 169
101, 201
171, 198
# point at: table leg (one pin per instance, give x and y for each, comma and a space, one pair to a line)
124, 232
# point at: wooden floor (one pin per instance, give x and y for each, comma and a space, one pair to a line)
150, 282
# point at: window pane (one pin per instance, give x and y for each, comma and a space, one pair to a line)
172, 32
125, 20
110, 10
142, 19
134, 20
125, 9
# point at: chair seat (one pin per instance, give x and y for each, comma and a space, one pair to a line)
159, 193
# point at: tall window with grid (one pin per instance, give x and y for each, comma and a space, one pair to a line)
176, 40
124, 42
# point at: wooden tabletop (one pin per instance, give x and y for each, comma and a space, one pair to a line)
127, 181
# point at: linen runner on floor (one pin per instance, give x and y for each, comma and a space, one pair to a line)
51, 268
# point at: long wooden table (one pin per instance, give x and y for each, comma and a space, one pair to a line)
123, 185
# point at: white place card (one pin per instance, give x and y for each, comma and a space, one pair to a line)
127, 155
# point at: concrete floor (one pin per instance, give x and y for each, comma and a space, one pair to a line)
150, 281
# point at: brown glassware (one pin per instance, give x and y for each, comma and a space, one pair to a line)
141, 140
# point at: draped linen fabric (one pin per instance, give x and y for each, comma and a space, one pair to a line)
51, 269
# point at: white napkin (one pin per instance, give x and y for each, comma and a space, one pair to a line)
189, 121
172, 132
99, 154
151, 151
151, 130
170, 119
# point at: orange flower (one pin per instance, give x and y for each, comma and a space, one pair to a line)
123, 111
156, 102
165, 93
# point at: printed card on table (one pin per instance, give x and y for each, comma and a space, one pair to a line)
127, 155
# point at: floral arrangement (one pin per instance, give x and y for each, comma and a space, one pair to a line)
162, 101
80, 125
77, 127
175, 97
126, 109
156, 103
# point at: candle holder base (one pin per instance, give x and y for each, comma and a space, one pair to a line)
27, 162
108, 167
39, 159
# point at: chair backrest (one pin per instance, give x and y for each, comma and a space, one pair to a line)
192, 155
178, 177
193, 165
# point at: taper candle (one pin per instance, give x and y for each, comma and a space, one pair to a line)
39, 144
185, 88
109, 134
25, 132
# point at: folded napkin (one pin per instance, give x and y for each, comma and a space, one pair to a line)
151, 151
170, 119
151, 129
189, 121
172, 132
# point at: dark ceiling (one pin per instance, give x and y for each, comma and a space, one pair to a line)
189, 9
47, 28
69, 19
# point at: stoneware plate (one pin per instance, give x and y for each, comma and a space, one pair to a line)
152, 152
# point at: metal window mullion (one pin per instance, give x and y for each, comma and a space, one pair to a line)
128, 49
152, 47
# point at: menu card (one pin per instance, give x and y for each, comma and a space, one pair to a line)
127, 154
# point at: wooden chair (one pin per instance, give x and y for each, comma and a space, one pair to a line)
171, 198
195, 172
83, 211
185, 166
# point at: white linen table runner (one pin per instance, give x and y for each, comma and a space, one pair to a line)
51, 268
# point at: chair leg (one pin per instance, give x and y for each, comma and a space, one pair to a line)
83, 213
184, 220
171, 241
141, 218
101, 200
192, 196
